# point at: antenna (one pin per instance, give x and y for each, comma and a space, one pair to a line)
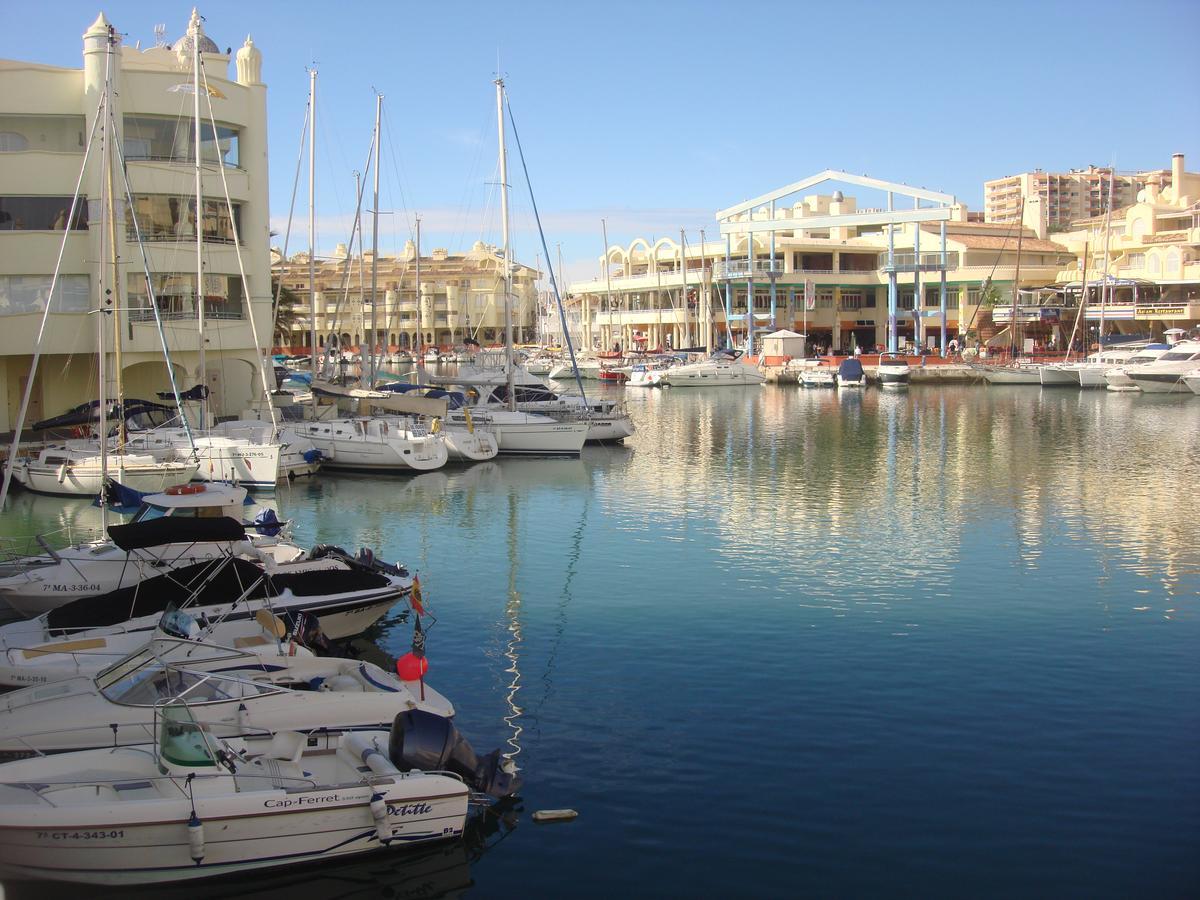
160, 33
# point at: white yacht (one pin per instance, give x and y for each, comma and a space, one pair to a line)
588, 363
185, 525
374, 444
298, 458
210, 806
75, 469
1117, 379
252, 464
724, 367
1192, 380
893, 371
1165, 375
1086, 373
1018, 373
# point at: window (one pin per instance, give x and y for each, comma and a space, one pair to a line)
20, 294
165, 218
174, 140
906, 300
41, 214
851, 301
1135, 260
56, 134
825, 299
176, 296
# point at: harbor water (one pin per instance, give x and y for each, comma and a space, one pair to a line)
936, 642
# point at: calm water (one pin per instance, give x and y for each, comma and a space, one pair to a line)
935, 643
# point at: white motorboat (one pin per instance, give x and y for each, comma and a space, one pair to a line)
249, 695
893, 371
432, 355
176, 638
649, 374
346, 595
1090, 373
851, 374
725, 367
1165, 375
1192, 380
374, 444
75, 469
1117, 379
814, 374
210, 806
187, 524
588, 364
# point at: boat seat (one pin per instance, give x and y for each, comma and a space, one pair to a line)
253, 640
270, 623
362, 755
286, 745
66, 647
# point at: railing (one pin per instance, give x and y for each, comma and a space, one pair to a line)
930, 262
741, 267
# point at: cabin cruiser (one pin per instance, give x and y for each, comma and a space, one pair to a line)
374, 444
250, 463
724, 367
297, 457
210, 806
347, 593
1165, 375
893, 371
851, 374
1116, 379
814, 374
243, 695
650, 373
1192, 380
185, 525
76, 468
1087, 373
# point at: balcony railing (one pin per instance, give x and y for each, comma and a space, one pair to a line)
742, 268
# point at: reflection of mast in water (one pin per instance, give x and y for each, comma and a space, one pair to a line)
512, 609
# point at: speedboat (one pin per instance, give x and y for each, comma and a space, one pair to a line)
1117, 378
1165, 375
649, 374
243, 696
191, 805
724, 367
893, 371
814, 374
182, 526
851, 374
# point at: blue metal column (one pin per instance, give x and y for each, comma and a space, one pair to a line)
892, 342
728, 294
918, 300
750, 301
942, 294
772, 269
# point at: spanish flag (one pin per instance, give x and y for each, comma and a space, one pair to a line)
415, 598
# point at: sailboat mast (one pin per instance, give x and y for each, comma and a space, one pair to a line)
1104, 285
104, 302
420, 348
202, 368
312, 217
608, 300
115, 295
1012, 328
508, 325
375, 245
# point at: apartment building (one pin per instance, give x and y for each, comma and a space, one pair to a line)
47, 115
1065, 196
438, 300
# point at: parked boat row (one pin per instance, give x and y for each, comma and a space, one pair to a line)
1150, 368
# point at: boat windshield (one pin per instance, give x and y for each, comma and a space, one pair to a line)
149, 511
1178, 355
181, 741
144, 680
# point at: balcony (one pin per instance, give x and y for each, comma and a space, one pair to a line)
741, 268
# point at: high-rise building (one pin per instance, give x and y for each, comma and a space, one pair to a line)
1065, 196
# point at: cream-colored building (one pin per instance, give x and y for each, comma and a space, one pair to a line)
46, 117
461, 296
653, 294
1065, 196
1153, 266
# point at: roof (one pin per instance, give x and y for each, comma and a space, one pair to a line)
999, 242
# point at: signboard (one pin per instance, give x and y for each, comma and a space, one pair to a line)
1003, 314
810, 294
1163, 312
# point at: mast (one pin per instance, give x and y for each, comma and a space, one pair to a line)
508, 325
1105, 284
114, 290
558, 250
1012, 328
202, 368
420, 348
375, 245
312, 217
607, 281
104, 303
687, 316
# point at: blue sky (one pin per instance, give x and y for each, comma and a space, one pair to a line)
654, 115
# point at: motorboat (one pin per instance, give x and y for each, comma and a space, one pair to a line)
210, 806
1165, 375
724, 367
1087, 373
587, 363
182, 526
247, 695
432, 355
1117, 379
76, 469
893, 371
851, 374
814, 373
1192, 380
374, 444
649, 374
346, 593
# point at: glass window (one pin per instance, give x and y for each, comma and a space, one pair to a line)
41, 214
56, 134
20, 294
181, 741
165, 218
173, 140
176, 296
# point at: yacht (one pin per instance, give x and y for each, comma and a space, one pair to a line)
1087, 373
1018, 373
231, 460
724, 367
587, 362
75, 468
1192, 380
182, 526
1117, 379
1165, 375
374, 444
298, 458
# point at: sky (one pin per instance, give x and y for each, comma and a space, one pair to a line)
653, 115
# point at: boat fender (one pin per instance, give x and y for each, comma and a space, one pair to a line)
383, 828
196, 838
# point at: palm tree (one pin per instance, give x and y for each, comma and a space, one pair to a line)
287, 315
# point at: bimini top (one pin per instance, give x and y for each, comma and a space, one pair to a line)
175, 530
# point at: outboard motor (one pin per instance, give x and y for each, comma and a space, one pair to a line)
429, 742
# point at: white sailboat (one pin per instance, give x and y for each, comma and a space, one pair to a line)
724, 367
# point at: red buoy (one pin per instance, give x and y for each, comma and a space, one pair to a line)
411, 667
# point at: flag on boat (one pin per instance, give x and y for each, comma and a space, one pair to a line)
418, 643
417, 601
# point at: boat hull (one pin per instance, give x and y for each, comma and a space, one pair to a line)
1057, 376
1012, 376
1159, 382
86, 480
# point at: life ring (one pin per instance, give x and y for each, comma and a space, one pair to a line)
176, 490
